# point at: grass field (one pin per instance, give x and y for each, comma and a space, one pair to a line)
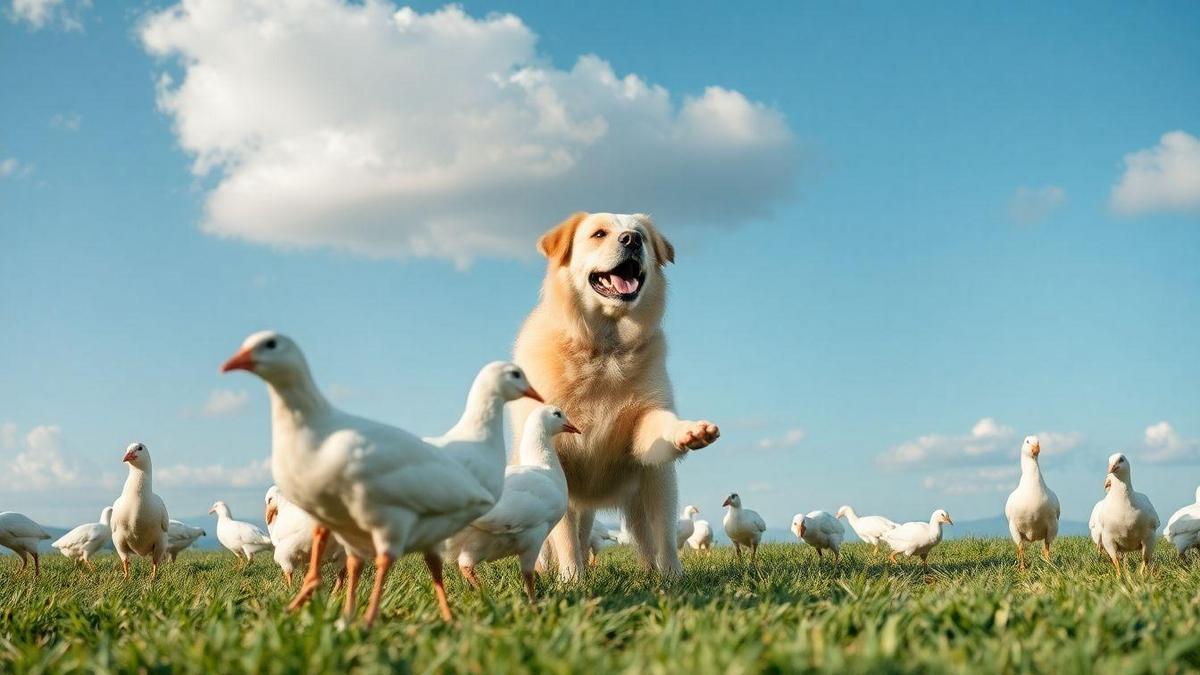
974, 612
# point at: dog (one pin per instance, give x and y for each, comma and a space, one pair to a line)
594, 346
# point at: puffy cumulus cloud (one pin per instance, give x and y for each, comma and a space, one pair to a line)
391, 133
225, 402
40, 463
987, 442
788, 439
1029, 206
38, 14
1164, 444
11, 167
1165, 177
256, 473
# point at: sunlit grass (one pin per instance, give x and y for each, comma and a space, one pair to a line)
974, 612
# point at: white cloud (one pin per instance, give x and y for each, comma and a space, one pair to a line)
984, 479
1165, 177
760, 488
1033, 205
987, 442
39, 462
69, 121
255, 473
789, 439
1164, 444
63, 14
391, 133
13, 167
225, 402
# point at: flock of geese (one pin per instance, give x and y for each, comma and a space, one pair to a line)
351, 490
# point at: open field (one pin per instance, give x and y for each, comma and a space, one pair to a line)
974, 612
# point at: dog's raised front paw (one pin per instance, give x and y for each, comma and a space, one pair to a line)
695, 435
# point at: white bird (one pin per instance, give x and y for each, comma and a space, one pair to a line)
917, 538
1183, 528
180, 536
1094, 520
82, 542
381, 490
1128, 521
870, 529
290, 528
600, 539
686, 525
1032, 509
22, 535
743, 526
139, 520
534, 499
244, 539
821, 530
702, 538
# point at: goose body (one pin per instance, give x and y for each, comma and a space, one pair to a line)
533, 500
1183, 527
1094, 526
180, 536
1128, 521
1032, 509
702, 537
686, 525
869, 529
380, 490
600, 539
917, 539
139, 518
743, 526
821, 530
19, 533
290, 529
242, 538
85, 540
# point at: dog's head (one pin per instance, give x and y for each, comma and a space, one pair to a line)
610, 263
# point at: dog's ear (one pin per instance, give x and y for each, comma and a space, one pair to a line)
556, 244
664, 252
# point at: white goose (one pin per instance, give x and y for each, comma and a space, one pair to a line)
180, 536
686, 526
139, 520
743, 526
1183, 528
1128, 521
290, 529
1032, 509
381, 490
22, 535
821, 530
82, 542
533, 501
242, 538
1094, 520
600, 539
702, 538
917, 538
870, 529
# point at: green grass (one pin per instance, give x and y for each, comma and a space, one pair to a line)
974, 612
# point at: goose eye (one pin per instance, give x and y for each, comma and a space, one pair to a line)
513, 375
270, 344
558, 414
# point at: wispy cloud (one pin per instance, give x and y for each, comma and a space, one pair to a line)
788, 439
987, 442
1030, 206
977, 480
1165, 177
11, 167
1165, 445
225, 403
255, 473
64, 15
69, 121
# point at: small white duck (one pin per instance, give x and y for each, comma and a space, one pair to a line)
1128, 521
534, 499
82, 542
702, 538
917, 538
139, 519
821, 530
19, 533
743, 526
1183, 528
870, 529
290, 529
1032, 509
242, 538
686, 525
1094, 520
380, 490
180, 536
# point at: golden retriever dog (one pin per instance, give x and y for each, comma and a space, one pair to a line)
594, 345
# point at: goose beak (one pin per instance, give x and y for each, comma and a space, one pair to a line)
1112, 468
802, 529
571, 428
531, 393
129, 456
272, 511
726, 502
243, 360
949, 520
1036, 449
213, 510
1107, 483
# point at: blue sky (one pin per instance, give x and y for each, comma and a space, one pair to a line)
907, 236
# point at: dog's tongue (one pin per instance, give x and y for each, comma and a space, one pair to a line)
623, 286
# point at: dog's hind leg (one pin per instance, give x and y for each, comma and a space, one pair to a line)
564, 542
587, 518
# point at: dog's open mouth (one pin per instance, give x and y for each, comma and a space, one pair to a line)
622, 282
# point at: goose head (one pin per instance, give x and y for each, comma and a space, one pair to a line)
221, 510
844, 512
733, 500
1118, 465
552, 419
137, 455
272, 356
690, 510
272, 504
798, 526
940, 516
1031, 447
505, 381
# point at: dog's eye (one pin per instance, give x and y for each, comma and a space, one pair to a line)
599, 234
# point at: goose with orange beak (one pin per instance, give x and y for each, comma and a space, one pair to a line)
380, 490
1032, 509
917, 539
743, 526
1128, 521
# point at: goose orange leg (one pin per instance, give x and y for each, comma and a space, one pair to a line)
434, 562
312, 580
383, 564
353, 572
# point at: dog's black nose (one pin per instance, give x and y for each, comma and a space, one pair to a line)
630, 240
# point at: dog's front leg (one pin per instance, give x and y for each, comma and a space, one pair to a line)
564, 542
661, 437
